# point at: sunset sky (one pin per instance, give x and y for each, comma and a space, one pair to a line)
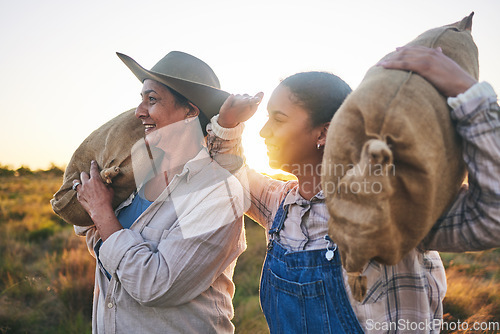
60, 77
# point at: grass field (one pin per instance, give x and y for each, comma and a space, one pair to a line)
47, 274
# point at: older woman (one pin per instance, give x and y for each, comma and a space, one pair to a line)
165, 257
303, 288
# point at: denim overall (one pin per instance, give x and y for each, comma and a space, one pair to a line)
303, 292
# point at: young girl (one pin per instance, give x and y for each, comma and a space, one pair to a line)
303, 286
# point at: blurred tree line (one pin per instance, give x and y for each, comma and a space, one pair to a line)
53, 170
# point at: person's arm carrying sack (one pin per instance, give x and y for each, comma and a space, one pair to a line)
473, 221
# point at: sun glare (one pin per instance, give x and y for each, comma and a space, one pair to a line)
253, 144
255, 148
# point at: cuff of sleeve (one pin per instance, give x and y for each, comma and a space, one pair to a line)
226, 133
114, 248
82, 230
481, 89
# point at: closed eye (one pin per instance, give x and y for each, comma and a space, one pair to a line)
278, 117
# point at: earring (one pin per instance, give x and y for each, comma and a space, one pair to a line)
318, 146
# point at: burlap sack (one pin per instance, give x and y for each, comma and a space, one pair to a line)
110, 146
393, 160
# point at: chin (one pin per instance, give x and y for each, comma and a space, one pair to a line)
153, 138
275, 164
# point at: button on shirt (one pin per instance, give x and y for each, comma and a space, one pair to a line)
305, 224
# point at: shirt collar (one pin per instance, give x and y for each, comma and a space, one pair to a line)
195, 165
190, 168
294, 197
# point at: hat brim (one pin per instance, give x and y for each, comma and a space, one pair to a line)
209, 99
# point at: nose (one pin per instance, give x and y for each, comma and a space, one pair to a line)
265, 132
141, 111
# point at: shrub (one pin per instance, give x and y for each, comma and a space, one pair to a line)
23, 171
5, 171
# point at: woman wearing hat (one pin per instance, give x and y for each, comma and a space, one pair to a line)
303, 289
165, 257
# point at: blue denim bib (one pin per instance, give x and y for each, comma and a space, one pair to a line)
303, 292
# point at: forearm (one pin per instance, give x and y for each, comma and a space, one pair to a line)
105, 221
473, 221
224, 145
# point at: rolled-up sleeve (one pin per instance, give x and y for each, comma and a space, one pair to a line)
473, 221
91, 236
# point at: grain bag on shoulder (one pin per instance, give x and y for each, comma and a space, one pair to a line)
110, 146
393, 161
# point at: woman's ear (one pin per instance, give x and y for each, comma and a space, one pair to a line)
193, 110
322, 135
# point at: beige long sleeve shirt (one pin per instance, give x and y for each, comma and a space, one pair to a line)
171, 272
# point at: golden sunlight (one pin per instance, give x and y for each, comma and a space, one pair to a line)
255, 148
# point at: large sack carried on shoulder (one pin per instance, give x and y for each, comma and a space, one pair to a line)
393, 163
110, 146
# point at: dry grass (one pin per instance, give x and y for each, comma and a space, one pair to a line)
47, 274
248, 316
473, 295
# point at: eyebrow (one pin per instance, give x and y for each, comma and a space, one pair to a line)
147, 92
277, 112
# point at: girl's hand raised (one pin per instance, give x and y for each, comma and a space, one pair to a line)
238, 108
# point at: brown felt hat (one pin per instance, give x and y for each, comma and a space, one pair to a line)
187, 75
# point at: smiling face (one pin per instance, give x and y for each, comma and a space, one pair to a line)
158, 109
290, 139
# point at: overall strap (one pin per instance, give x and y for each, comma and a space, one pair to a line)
279, 219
